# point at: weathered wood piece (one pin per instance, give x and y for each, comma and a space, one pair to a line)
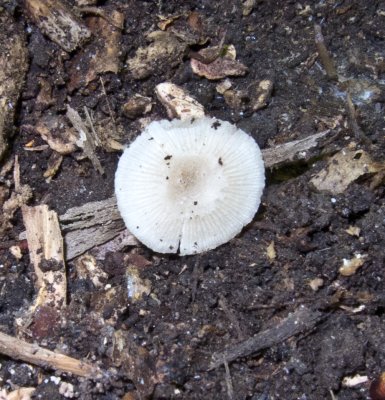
46, 252
300, 321
292, 151
34, 354
56, 20
13, 66
90, 225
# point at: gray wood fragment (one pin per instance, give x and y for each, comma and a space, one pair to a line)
90, 225
292, 151
300, 321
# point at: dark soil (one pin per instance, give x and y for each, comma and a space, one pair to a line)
201, 304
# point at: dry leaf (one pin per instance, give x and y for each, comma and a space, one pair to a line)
344, 168
100, 56
56, 132
221, 66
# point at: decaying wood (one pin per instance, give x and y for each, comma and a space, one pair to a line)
291, 151
100, 55
90, 225
58, 22
300, 321
46, 252
34, 354
13, 66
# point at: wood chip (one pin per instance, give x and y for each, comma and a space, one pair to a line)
178, 103
270, 251
58, 22
350, 266
46, 252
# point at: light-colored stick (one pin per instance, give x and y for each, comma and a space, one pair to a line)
34, 354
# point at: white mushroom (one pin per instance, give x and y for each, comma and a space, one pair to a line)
189, 185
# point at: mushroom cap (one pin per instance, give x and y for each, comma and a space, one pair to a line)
189, 185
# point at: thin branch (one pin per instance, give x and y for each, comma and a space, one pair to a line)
300, 321
34, 354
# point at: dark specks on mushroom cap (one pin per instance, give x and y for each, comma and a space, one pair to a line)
193, 202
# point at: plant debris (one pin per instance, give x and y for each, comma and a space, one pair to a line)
344, 168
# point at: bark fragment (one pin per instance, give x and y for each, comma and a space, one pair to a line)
56, 20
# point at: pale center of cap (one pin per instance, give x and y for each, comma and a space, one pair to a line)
194, 180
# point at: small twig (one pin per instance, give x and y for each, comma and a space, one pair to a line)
229, 383
299, 321
195, 274
16, 175
324, 54
358, 133
108, 103
231, 316
32, 353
